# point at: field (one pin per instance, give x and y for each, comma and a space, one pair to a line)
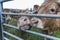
23, 35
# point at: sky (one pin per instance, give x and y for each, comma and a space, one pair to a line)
22, 4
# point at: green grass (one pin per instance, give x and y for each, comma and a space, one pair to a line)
24, 35
57, 34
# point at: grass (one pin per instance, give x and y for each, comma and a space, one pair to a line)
57, 34
23, 35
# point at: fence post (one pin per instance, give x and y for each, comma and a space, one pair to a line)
1, 28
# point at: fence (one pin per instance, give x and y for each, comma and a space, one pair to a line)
2, 31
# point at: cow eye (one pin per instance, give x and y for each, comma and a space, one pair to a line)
25, 19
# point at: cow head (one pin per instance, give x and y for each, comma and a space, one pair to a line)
23, 23
36, 22
8, 17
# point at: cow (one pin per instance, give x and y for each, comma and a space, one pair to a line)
49, 24
7, 17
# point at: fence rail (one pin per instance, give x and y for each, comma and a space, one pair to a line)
6, 38
18, 38
34, 15
5, 0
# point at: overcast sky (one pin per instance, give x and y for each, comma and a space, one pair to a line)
22, 4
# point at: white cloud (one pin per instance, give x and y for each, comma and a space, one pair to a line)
21, 4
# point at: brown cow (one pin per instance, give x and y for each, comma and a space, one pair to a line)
48, 7
49, 25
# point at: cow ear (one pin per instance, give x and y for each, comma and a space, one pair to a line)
36, 7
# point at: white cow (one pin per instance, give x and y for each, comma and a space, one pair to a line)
23, 23
37, 22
